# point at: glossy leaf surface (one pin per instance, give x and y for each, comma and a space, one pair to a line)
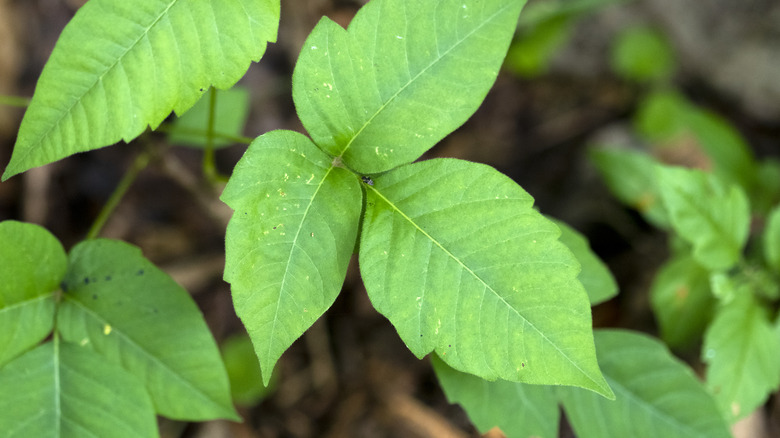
518, 409
32, 264
656, 395
59, 390
455, 256
714, 218
743, 354
289, 240
404, 75
119, 304
122, 65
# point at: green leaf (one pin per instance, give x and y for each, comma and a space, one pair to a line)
404, 75
121, 65
743, 354
630, 176
230, 115
643, 55
32, 264
516, 408
714, 218
682, 301
289, 240
59, 390
136, 316
455, 256
595, 276
771, 240
656, 395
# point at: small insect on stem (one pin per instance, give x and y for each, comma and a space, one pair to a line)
367, 180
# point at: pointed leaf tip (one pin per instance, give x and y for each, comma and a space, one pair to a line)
454, 254
290, 239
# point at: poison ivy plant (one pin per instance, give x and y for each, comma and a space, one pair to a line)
713, 218
743, 354
655, 395
62, 390
116, 323
452, 253
122, 65
714, 287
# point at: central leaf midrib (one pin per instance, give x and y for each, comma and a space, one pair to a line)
272, 335
162, 365
485, 284
412, 80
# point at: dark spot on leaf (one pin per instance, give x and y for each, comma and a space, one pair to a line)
140, 272
64, 286
201, 89
86, 280
522, 364
108, 278
94, 296
450, 345
274, 228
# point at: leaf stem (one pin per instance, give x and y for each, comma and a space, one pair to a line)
209, 161
21, 102
141, 161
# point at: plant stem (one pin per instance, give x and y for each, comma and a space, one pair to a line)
209, 161
141, 161
21, 102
